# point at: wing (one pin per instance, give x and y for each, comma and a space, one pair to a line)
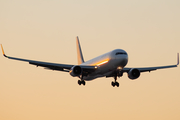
145, 69
51, 66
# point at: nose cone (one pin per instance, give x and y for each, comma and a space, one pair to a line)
124, 60
120, 56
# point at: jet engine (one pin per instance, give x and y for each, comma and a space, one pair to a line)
133, 73
75, 71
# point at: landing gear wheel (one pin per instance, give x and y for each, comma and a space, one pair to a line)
113, 84
79, 82
117, 84
83, 82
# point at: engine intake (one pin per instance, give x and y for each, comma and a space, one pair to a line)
133, 73
75, 71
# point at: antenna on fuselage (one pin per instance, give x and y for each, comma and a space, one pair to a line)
79, 52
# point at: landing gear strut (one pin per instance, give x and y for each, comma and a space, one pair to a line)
81, 81
115, 83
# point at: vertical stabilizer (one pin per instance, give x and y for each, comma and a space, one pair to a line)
79, 52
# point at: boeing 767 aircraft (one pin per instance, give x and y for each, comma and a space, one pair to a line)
111, 64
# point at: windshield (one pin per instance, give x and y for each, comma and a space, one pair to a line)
118, 53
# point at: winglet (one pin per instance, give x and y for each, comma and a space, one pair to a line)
3, 51
177, 58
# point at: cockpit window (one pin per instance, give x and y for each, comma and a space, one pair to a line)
118, 53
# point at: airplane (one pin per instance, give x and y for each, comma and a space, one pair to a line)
111, 64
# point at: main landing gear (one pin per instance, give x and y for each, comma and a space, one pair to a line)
118, 73
81, 81
115, 83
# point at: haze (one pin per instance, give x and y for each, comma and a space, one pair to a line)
46, 30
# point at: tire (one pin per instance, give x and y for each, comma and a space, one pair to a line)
83, 82
113, 84
79, 82
117, 84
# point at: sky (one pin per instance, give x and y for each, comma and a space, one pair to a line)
46, 30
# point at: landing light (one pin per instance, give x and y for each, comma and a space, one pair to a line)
119, 68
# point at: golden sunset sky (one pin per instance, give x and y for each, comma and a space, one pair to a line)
46, 30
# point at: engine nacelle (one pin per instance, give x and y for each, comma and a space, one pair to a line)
75, 71
133, 73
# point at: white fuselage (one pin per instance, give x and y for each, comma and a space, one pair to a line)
107, 63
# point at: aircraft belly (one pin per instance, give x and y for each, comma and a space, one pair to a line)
101, 72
